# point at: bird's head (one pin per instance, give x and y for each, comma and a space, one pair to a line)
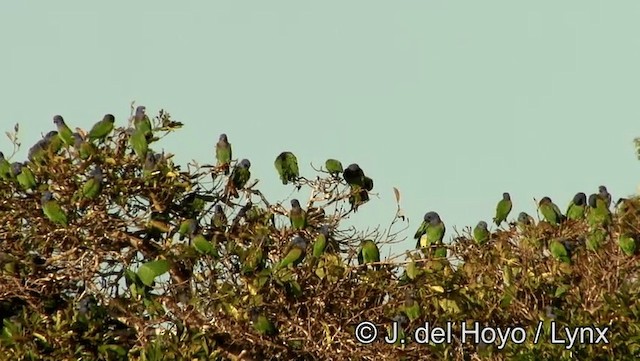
602, 189
580, 199
57, 120
140, 110
295, 203
223, 138
354, 167
506, 196
245, 164
593, 200
299, 242
432, 218
109, 117
482, 225
96, 173
47, 196
16, 168
523, 218
545, 200
217, 209
324, 230
51, 134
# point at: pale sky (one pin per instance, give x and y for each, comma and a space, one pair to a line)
452, 102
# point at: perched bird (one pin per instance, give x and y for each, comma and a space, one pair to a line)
54, 143
411, 307
188, 227
481, 233
64, 132
550, 211
138, 141
627, 244
524, 220
101, 129
262, 324
577, 206
354, 175
334, 167
24, 175
431, 231
598, 214
52, 209
369, 253
604, 194
595, 239
219, 219
223, 153
320, 243
5, 168
142, 123
297, 215
239, 177
296, 251
503, 209
286, 164
559, 251
84, 149
93, 186
38, 152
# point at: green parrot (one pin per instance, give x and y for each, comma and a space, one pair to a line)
503, 209
287, 166
411, 306
605, 196
93, 186
369, 253
38, 152
139, 143
64, 132
576, 208
101, 129
85, 149
595, 239
23, 175
239, 177
598, 214
253, 258
481, 233
142, 123
550, 211
295, 253
627, 244
430, 232
219, 219
320, 243
354, 176
262, 324
297, 215
5, 168
334, 167
188, 227
524, 220
53, 141
223, 153
559, 251
52, 209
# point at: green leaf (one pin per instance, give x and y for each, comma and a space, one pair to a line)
150, 270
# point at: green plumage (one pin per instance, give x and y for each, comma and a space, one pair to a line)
142, 123
241, 175
319, 245
287, 166
187, 228
334, 167
101, 129
93, 186
295, 253
411, 307
550, 211
369, 253
503, 209
223, 153
262, 324
24, 176
52, 209
139, 143
219, 219
5, 168
598, 213
627, 244
481, 233
595, 239
64, 132
577, 206
84, 149
297, 215
558, 251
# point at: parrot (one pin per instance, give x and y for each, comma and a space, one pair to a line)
37, 153
297, 215
411, 306
604, 194
320, 243
223, 153
5, 168
368, 183
101, 129
599, 214
142, 123
287, 166
219, 219
64, 132
188, 227
431, 231
559, 251
93, 186
576, 208
369, 253
84, 149
550, 211
239, 177
524, 220
627, 244
52, 209
595, 239
481, 233
354, 176
23, 175
54, 143
334, 167
139, 143
262, 324
503, 209
295, 253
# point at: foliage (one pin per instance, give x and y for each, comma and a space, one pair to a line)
130, 278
